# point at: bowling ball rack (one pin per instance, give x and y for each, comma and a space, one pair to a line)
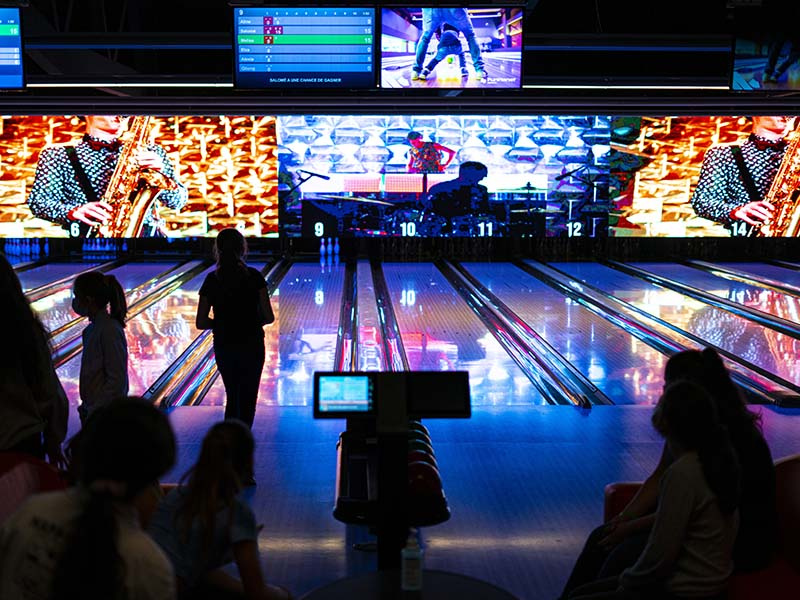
357, 480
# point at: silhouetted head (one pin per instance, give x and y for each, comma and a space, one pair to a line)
96, 291
128, 442
472, 171
230, 249
706, 369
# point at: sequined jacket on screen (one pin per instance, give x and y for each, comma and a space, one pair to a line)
56, 189
720, 188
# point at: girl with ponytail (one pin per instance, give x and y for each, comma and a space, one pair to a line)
104, 365
238, 295
86, 542
205, 521
689, 551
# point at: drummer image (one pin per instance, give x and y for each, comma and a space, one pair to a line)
460, 197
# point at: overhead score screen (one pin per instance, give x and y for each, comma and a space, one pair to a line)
11, 73
308, 47
446, 47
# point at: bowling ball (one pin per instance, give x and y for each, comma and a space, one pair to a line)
419, 456
423, 480
418, 435
417, 426
421, 446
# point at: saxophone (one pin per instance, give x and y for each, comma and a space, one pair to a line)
784, 194
131, 191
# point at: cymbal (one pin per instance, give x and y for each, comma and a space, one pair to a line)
520, 189
348, 199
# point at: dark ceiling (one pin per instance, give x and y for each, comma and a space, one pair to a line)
585, 42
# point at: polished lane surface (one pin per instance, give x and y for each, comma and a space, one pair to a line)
626, 369
744, 338
156, 337
47, 273
774, 272
441, 333
55, 310
771, 302
302, 339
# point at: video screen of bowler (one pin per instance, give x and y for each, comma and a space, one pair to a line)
345, 394
311, 47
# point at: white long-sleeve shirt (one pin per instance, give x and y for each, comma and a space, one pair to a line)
690, 548
104, 365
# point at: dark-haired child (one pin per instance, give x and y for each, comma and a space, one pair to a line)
616, 545
86, 542
205, 523
104, 364
689, 551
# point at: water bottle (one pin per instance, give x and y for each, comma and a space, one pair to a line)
411, 564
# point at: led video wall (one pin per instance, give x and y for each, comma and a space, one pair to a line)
340, 176
443, 175
703, 176
183, 176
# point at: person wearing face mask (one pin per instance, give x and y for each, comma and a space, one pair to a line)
104, 365
735, 178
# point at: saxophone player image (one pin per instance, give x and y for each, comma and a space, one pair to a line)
752, 187
71, 184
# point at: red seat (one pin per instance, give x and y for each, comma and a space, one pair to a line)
779, 581
782, 578
22, 475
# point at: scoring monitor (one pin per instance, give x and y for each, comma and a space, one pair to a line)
308, 47
11, 73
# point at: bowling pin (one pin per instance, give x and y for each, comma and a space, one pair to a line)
336, 247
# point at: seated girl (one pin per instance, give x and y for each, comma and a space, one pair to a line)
204, 523
689, 552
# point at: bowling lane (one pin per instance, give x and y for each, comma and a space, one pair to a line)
156, 337
759, 345
56, 309
790, 276
441, 333
302, 339
39, 276
627, 370
753, 296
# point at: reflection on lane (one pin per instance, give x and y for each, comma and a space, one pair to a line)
155, 337
624, 368
772, 351
441, 333
39, 276
764, 270
767, 301
56, 309
302, 339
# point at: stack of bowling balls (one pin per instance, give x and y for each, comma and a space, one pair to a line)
427, 504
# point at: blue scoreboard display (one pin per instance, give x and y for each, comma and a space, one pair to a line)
11, 74
307, 47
